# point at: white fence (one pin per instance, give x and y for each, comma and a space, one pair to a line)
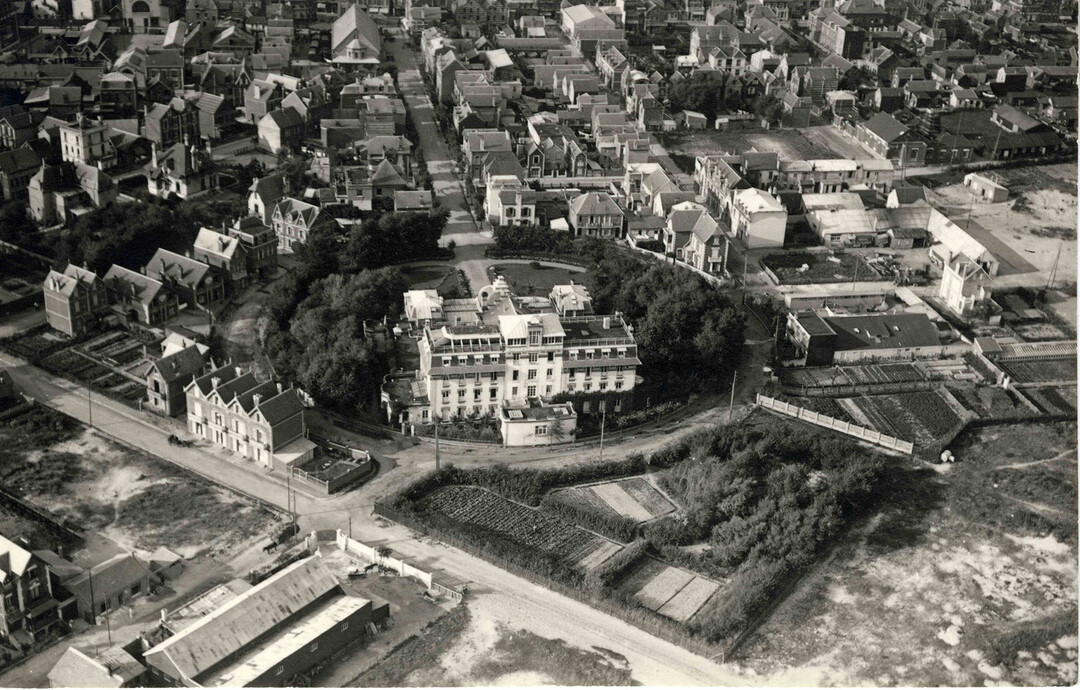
371, 555
859, 432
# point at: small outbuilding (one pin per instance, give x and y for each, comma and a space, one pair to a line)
988, 186
691, 119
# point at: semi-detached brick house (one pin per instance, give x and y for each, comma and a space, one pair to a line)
233, 410
198, 283
73, 300
140, 298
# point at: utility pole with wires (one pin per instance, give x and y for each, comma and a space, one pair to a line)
1053, 271
731, 401
603, 419
437, 445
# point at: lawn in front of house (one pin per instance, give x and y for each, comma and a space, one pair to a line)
536, 278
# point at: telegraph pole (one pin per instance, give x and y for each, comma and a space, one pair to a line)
1053, 272
731, 401
437, 445
89, 406
603, 419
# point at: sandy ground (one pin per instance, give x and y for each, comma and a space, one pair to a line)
1036, 234
924, 596
484, 653
116, 475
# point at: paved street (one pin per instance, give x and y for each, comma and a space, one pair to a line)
449, 190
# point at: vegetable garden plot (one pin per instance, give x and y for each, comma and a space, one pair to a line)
621, 502
583, 551
475, 506
932, 411
647, 495
1041, 370
690, 598
584, 497
604, 551
878, 421
663, 587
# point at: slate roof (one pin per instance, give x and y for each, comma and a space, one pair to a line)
386, 174
885, 126
178, 267
180, 365
18, 160
882, 331
284, 118
281, 407
269, 188
143, 287
595, 204
111, 577
206, 381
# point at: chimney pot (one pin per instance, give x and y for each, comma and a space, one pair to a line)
215, 381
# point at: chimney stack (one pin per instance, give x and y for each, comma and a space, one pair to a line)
215, 381
256, 399
279, 389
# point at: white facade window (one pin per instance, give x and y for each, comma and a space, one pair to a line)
541, 430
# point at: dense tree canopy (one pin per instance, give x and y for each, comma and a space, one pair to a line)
703, 92
129, 234
765, 500
393, 238
682, 323
325, 349
314, 333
